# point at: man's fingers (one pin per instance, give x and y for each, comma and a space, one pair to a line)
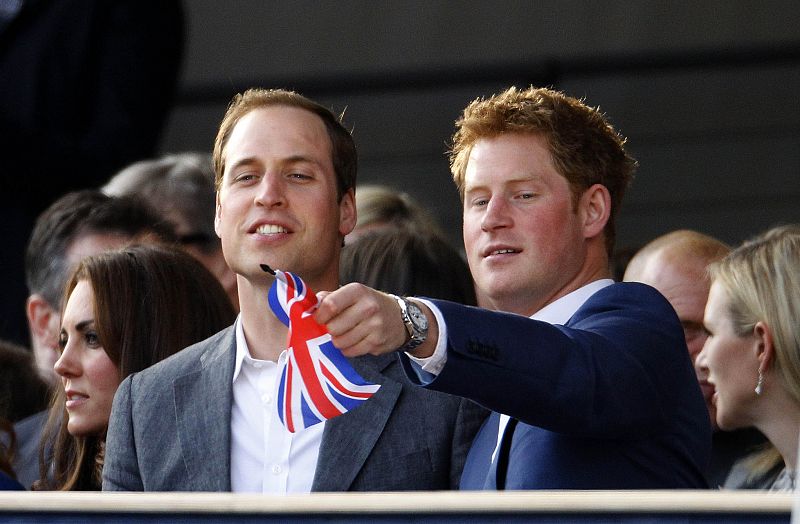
332, 303
360, 320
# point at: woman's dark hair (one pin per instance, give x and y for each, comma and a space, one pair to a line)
149, 303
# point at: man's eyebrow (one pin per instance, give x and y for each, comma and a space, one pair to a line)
468, 189
293, 159
302, 158
243, 162
522, 179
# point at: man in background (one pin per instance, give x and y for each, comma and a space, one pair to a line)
676, 265
181, 188
85, 88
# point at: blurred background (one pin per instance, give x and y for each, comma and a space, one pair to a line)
706, 92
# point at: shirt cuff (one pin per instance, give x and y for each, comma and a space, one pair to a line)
434, 363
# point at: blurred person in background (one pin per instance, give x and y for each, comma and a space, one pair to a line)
404, 262
22, 393
676, 264
181, 188
85, 89
380, 206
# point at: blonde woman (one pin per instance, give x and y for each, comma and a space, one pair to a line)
753, 350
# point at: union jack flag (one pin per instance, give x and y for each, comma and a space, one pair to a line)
317, 382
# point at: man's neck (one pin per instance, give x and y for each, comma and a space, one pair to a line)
264, 333
526, 305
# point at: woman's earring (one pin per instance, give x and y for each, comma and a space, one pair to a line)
760, 383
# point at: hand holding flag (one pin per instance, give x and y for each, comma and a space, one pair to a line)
316, 381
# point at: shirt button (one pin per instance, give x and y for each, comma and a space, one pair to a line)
266, 398
258, 365
276, 469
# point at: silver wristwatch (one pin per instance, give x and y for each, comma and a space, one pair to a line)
415, 321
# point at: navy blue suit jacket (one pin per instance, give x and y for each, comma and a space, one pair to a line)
7, 483
608, 401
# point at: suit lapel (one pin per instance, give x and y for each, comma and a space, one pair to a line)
348, 439
203, 402
479, 471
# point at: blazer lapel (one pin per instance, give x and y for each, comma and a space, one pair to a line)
203, 402
348, 439
479, 470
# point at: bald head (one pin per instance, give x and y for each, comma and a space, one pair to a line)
676, 248
675, 264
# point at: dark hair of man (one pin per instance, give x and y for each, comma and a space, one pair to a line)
584, 147
179, 184
149, 303
408, 262
72, 216
343, 148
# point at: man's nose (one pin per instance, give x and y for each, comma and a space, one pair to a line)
271, 191
496, 215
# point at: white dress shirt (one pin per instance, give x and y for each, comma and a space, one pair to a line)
265, 456
556, 312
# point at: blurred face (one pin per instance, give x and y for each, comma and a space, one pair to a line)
88, 375
686, 288
685, 285
277, 203
208, 251
731, 364
523, 239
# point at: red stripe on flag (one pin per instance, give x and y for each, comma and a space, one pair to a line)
311, 381
330, 376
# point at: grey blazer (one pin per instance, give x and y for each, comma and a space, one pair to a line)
170, 429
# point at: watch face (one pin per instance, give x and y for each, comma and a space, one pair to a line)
417, 317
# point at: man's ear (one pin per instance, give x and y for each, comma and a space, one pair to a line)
217, 216
43, 321
764, 346
347, 212
595, 210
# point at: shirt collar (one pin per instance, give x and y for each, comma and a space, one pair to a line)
561, 310
241, 347
243, 352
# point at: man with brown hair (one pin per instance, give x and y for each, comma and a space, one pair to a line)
595, 390
206, 419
